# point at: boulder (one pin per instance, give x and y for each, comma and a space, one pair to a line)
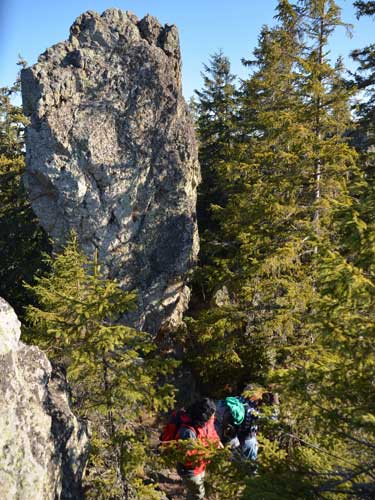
112, 155
43, 447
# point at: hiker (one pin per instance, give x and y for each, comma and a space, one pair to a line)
197, 422
235, 424
236, 420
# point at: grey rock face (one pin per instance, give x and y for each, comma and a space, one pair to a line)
43, 447
111, 153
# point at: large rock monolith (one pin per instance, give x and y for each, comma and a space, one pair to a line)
43, 447
111, 154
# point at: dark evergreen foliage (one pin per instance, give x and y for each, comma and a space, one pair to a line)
365, 82
365, 8
216, 111
22, 241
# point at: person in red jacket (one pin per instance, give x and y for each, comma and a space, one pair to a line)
200, 426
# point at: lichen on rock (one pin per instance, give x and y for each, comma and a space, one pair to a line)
112, 154
43, 447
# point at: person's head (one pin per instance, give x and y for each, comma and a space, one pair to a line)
201, 411
270, 398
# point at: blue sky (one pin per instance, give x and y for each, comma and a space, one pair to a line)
28, 27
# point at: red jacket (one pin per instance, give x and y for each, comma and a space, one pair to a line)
206, 434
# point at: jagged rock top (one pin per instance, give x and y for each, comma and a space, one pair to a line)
114, 29
111, 154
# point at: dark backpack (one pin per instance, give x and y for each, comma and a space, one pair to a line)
177, 420
250, 421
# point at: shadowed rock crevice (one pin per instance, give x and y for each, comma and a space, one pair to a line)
111, 153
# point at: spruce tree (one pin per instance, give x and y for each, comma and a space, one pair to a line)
331, 382
297, 260
262, 228
365, 82
113, 369
216, 113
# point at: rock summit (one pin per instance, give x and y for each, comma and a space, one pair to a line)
112, 155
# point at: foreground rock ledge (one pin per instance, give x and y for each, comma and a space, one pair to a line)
43, 447
111, 153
